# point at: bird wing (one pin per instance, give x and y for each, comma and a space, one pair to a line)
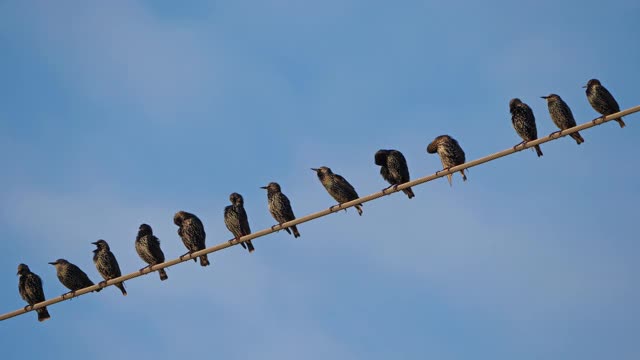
398, 166
193, 229
609, 99
344, 184
33, 289
287, 211
154, 248
244, 221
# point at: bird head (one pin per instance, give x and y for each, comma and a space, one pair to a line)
380, 158
145, 229
236, 199
273, 187
551, 97
591, 83
101, 245
513, 103
23, 269
59, 262
432, 148
179, 217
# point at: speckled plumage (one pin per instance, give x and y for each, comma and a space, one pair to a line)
72, 276
192, 233
280, 207
601, 100
30, 288
337, 187
450, 152
106, 264
148, 248
393, 168
524, 122
562, 116
236, 219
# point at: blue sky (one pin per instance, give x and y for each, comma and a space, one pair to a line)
116, 114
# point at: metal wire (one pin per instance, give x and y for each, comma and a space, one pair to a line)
333, 209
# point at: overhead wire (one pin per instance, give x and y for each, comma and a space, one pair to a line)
438, 174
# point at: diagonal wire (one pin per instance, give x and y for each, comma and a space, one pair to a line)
333, 209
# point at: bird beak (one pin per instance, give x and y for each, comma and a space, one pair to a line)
53, 263
263, 187
316, 170
584, 87
544, 97
95, 243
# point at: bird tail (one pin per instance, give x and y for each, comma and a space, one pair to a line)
295, 231
464, 177
98, 290
538, 151
250, 246
359, 208
163, 275
622, 124
204, 261
43, 314
409, 192
121, 287
287, 230
449, 177
577, 137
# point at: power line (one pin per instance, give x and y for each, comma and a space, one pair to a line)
333, 209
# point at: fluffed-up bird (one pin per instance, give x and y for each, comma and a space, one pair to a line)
524, 122
30, 288
561, 115
192, 233
280, 207
450, 152
106, 264
393, 168
148, 248
337, 187
71, 276
236, 219
601, 100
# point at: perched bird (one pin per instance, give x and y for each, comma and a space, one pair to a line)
30, 288
601, 100
192, 233
394, 169
107, 264
561, 115
337, 187
71, 276
524, 122
280, 207
236, 220
450, 152
148, 248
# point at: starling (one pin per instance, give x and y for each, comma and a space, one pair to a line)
337, 187
107, 264
601, 100
280, 207
393, 168
71, 276
148, 248
236, 220
192, 233
562, 116
30, 288
524, 122
451, 154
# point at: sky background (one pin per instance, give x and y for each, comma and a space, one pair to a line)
118, 113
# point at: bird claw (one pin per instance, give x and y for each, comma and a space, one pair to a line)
331, 208
28, 308
273, 228
518, 144
102, 283
559, 132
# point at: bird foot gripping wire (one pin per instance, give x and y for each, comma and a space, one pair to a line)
273, 228
338, 206
559, 132
523, 143
595, 121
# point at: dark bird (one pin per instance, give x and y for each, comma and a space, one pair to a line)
192, 233
107, 264
148, 248
337, 187
394, 169
30, 288
524, 122
601, 100
561, 115
71, 276
450, 152
236, 220
280, 207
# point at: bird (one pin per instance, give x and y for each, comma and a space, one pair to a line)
337, 187
192, 233
524, 122
601, 100
394, 169
148, 248
30, 288
107, 264
450, 152
562, 116
72, 276
236, 220
280, 207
